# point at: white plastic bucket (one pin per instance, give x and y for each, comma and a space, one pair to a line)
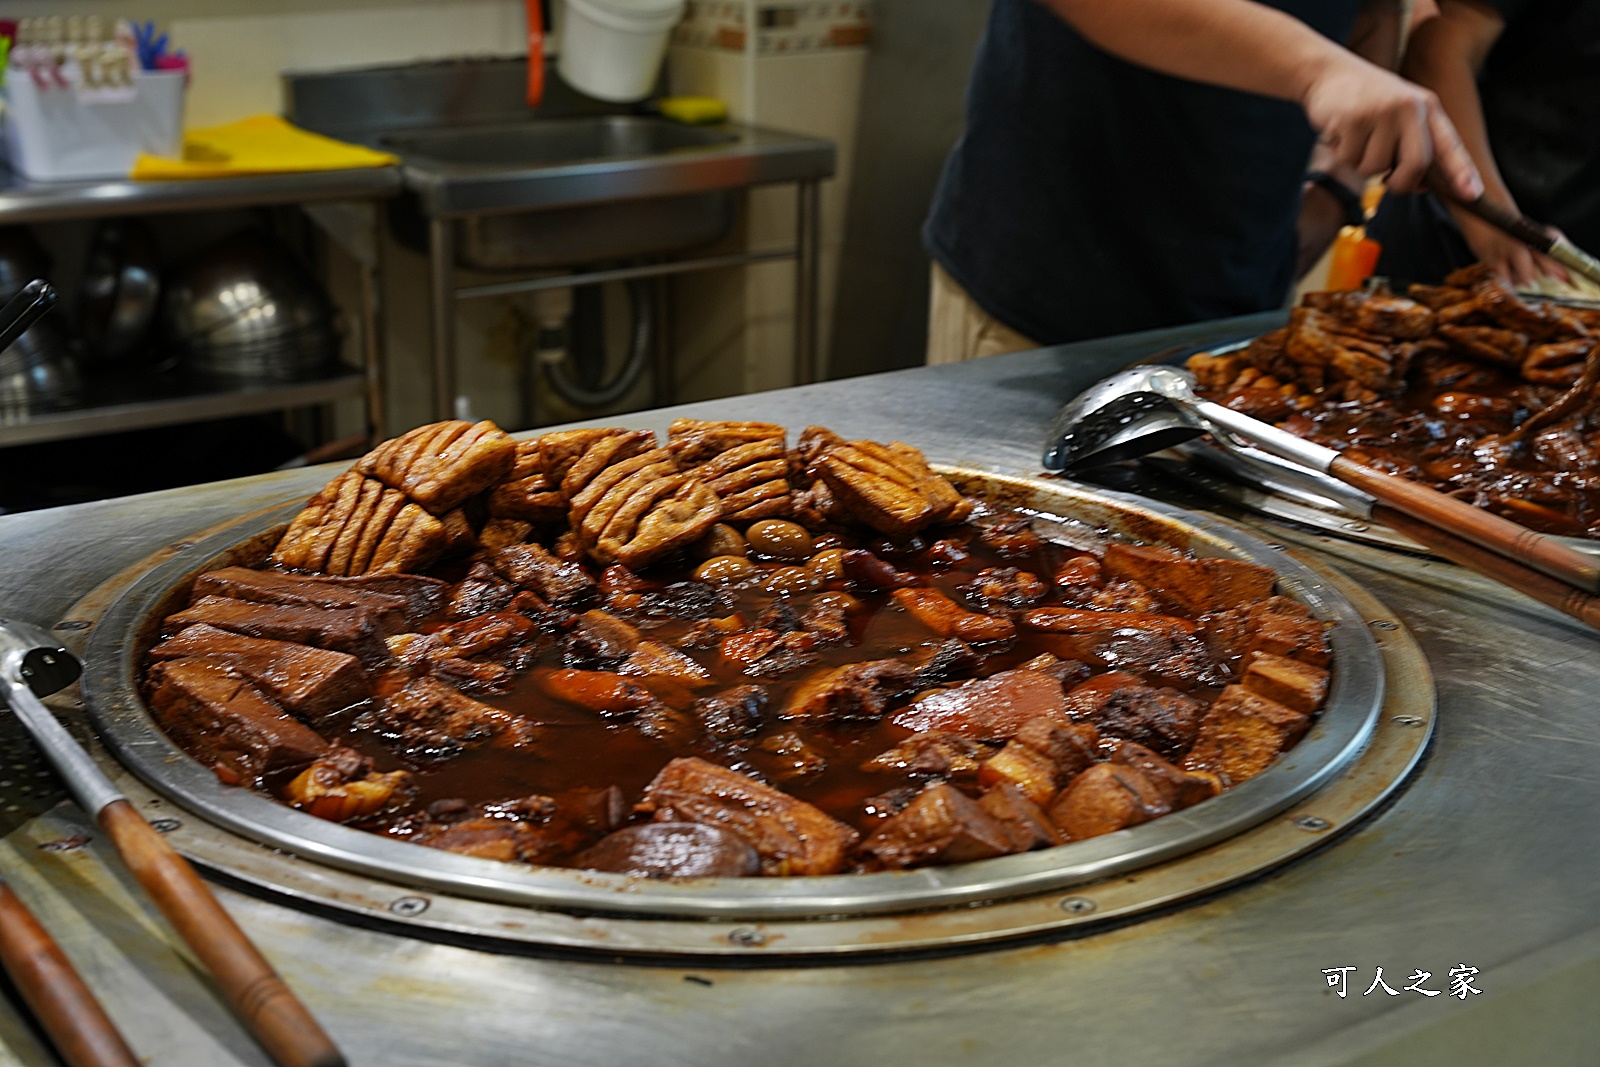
612, 49
60, 134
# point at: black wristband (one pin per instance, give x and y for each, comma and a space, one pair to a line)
1349, 200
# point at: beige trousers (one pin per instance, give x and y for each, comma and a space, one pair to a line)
958, 329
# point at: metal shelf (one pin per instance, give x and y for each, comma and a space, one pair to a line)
159, 401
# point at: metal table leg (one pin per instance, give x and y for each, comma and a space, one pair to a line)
807, 238
441, 263
372, 340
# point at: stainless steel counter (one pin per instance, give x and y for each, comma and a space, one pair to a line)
1484, 860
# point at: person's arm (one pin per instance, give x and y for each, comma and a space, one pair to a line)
1374, 121
1445, 55
1376, 38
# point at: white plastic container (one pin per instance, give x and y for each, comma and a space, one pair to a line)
612, 49
64, 134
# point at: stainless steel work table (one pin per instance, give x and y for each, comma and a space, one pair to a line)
1485, 859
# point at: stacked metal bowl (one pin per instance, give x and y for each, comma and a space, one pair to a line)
246, 310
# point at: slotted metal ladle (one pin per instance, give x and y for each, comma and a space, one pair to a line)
1144, 409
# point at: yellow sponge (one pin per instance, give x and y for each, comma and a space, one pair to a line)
693, 110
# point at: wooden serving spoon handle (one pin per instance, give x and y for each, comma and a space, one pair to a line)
264, 1003
78, 1026
1517, 543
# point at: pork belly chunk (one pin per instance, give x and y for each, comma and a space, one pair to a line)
432, 719
1301, 686
854, 691
210, 709
311, 683
354, 631
1163, 719
1243, 734
533, 568
1024, 822
519, 830
942, 825
791, 836
673, 850
992, 708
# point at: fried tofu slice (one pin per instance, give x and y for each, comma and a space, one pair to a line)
1297, 685
357, 525
889, 487
1105, 798
574, 458
745, 463
441, 464
528, 492
1243, 734
941, 825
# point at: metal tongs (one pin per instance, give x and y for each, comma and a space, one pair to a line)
33, 665
1144, 409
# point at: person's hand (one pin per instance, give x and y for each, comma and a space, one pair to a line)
1510, 258
1378, 123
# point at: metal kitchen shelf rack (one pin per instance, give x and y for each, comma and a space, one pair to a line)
346, 209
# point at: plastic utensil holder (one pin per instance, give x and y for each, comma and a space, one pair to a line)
69, 133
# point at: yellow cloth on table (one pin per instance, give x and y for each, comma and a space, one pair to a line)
261, 144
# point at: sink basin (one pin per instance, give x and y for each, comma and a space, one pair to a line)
555, 141
573, 183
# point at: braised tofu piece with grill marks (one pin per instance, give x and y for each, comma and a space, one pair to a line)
854, 691
311, 683
441, 464
528, 492
942, 825
1243, 734
791, 836
216, 712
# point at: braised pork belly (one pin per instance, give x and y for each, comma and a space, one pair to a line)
722, 656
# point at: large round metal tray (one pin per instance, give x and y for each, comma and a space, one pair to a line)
116, 644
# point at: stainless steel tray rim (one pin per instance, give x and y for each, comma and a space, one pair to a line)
1350, 713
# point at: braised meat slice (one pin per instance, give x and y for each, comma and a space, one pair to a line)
1004, 587
733, 713
352, 630
1243, 733
1105, 798
953, 659
992, 708
528, 491
673, 850
790, 836
1086, 699
1181, 788
430, 718
1195, 585
854, 691
653, 660
533, 568
441, 464
1010, 534
211, 710
1163, 719
482, 590
768, 653
600, 640
1080, 621
312, 683
342, 786
942, 825
508, 830
932, 754
607, 694
947, 618
1041, 757
397, 601
1023, 821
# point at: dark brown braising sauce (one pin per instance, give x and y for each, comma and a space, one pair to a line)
579, 751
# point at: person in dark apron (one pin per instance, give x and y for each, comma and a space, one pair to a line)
1140, 164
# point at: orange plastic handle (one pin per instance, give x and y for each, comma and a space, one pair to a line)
535, 53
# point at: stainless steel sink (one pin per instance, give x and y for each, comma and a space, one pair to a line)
555, 141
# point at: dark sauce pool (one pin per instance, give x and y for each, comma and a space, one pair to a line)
578, 753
